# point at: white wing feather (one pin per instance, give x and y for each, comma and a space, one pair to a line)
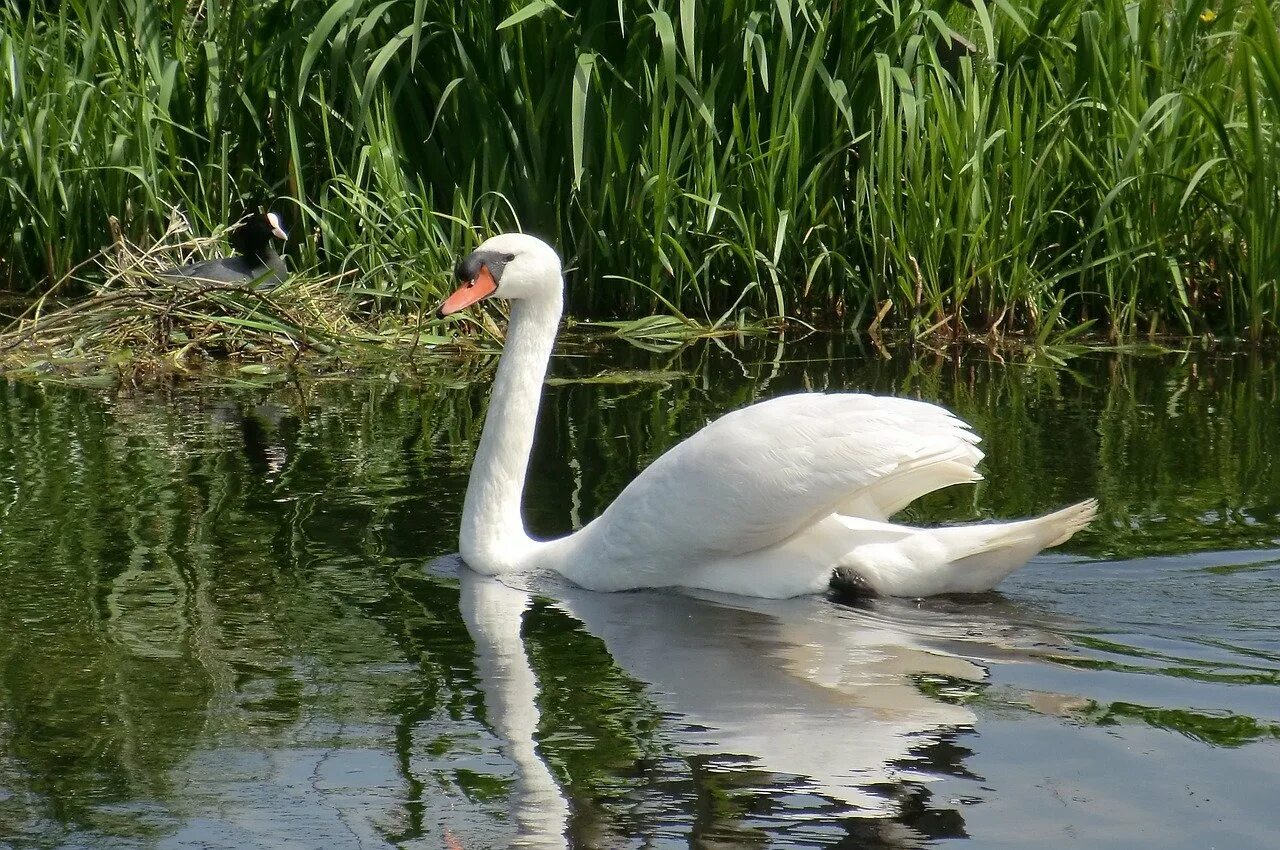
759, 475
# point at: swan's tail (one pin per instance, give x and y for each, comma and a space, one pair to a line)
958, 559
1066, 522
982, 555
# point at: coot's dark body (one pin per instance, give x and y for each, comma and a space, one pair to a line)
255, 262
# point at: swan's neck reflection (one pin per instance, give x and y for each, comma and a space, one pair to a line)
494, 614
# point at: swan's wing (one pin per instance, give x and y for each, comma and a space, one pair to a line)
758, 475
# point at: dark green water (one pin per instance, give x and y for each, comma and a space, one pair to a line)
225, 622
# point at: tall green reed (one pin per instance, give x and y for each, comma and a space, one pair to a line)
956, 168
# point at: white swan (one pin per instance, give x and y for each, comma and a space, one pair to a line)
778, 499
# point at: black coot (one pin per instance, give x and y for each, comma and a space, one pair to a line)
255, 260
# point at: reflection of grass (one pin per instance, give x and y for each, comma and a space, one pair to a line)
1221, 730
1197, 673
948, 689
597, 722
1112, 647
1181, 448
288, 525
1228, 569
198, 578
482, 787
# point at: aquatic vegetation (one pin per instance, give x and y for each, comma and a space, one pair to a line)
139, 319
948, 168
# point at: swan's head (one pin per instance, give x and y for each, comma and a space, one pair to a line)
510, 265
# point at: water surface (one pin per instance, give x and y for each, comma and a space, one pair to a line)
230, 618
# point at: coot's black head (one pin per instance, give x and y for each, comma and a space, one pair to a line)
254, 233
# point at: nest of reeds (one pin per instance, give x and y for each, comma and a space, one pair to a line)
133, 315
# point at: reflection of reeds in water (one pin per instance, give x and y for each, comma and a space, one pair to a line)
186, 574
155, 605
1179, 448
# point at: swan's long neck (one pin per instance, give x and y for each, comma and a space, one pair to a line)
493, 538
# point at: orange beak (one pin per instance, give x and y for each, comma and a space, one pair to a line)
469, 293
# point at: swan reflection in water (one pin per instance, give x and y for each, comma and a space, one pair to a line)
802, 687
494, 614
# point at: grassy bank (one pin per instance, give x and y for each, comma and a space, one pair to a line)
1006, 166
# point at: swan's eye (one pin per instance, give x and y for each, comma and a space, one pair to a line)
506, 258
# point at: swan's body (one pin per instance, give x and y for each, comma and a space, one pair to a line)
776, 499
